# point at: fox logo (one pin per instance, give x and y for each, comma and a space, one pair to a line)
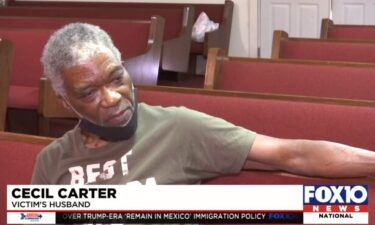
335, 194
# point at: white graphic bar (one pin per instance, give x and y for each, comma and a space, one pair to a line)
158, 197
31, 218
335, 218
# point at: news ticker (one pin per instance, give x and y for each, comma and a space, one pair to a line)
253, 204
160, 217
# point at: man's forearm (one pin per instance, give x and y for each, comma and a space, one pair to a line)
328, 159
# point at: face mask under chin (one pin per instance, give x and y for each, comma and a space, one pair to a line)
113, 133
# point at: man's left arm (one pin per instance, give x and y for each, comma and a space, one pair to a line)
310, 158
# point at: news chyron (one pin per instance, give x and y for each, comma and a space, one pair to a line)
335, 204
219, 204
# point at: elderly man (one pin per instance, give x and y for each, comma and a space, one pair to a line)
119, 140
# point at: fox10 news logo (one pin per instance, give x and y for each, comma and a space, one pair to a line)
335, 204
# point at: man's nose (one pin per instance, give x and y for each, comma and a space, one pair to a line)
110, 97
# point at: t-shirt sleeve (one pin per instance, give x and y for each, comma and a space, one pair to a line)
213, 146
44, 165
39, 174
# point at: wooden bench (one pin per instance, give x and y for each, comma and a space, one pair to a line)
18, 153
291, 77
177, 35
17, 158
27, 70
277, 178
220, 13
284, 116
6, 56
220, 38
329, 30
145, 38
284, 47
340, 120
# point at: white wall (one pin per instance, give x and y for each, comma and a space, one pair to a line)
354, 11
244, 35
299, 18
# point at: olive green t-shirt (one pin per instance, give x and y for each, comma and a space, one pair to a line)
172, 145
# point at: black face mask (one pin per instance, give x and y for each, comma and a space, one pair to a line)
114, 133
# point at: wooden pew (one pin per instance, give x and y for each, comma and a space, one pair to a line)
278, 178
220, 38
144, 50
6, 55
291, 77
284, 47
145, 38
27, 70
18, 153
309, 118
220, 13
329, 30
17, 158
340, 120
177, 35
283, 116
50, 109
277, 115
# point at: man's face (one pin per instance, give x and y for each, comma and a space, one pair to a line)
100, 90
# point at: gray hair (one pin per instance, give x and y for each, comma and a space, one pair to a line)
72, 45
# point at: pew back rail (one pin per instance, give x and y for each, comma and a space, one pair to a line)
284, 47
330, 30
287, 76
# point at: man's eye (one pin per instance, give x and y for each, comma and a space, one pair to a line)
117, 80
87, 93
